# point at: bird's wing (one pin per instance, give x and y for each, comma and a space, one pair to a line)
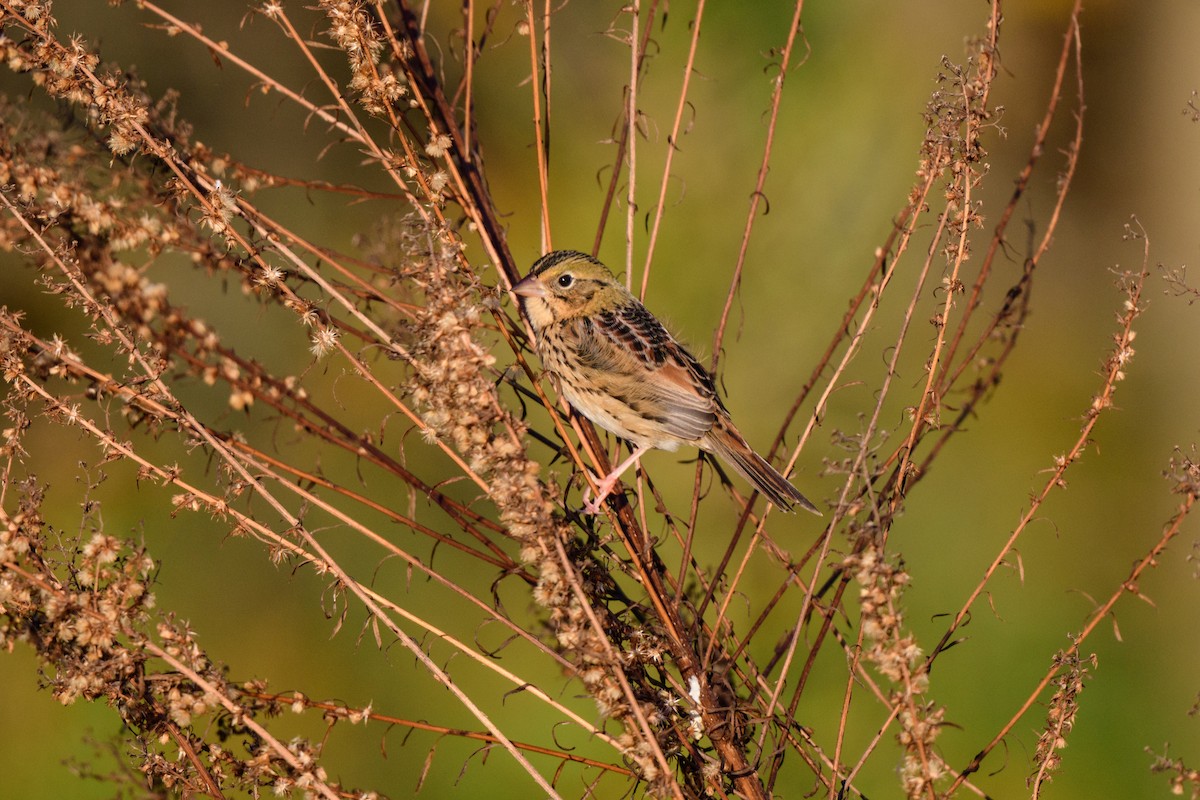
660, 379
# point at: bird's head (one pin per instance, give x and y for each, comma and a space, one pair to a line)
567, 284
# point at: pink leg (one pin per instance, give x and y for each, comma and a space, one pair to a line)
605, 487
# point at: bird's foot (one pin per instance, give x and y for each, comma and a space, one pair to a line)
596, 505
608, 482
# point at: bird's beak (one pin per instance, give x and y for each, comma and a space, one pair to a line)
530, 287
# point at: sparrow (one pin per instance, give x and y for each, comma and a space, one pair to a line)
619, 367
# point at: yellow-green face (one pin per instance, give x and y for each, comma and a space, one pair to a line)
567, 284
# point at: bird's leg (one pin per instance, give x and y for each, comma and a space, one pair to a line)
605, 486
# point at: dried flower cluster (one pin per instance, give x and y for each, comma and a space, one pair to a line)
69, 71
1183, 780
76, 623
1060, 715
375, 82
89, 615
896, 655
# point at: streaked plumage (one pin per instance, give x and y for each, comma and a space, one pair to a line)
618, 366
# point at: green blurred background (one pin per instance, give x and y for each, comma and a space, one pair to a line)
844, 161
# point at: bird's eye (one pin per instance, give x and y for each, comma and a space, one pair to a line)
565, 280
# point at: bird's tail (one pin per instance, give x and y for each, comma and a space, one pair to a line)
725, 442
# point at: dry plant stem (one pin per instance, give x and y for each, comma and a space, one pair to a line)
1058, 732
519, 683
1102, 401
135, 646
872, 286
728, 598
1071, 44
547, 93
540, 89
344, 108
341, 711
222, 50
197, 763
685, 550
794, 640
826, 539
747, 514
1017, 301
498, 560
469, 78
475, 201
366, 374
1062, 462
963, 224
634, 9
621, 131
672, 145
265, 227
473, 49
314, 420
161, 150
1128, 586
874, 743
274, 180
361, 135
1020, 186
757, 196
276, 232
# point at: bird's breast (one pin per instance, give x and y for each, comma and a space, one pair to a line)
610, 398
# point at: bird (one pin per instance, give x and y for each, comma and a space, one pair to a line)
619, 367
